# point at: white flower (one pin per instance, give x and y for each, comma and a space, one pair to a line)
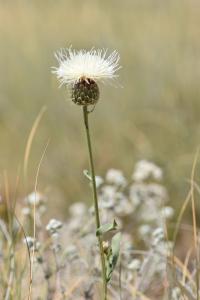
77, 209
134, 265
158, 236
167, 212
26, 211
144, 230
78, 64
34, 198
164, 248
99, 181
107, 196
145, 169
53, 226
123, 206
31, 242
116, 177
158, 232
71, 252
149, 212
176, 293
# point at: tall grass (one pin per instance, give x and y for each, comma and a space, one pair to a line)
155, 115
159, 101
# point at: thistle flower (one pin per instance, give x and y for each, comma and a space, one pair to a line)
81, 70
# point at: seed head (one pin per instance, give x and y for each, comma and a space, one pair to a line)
85, 92
82, 70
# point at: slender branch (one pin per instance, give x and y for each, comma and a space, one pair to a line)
98, 224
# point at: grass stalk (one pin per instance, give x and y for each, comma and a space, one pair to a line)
98, 224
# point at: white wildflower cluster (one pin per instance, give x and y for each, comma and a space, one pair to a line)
139, 208
68, 251
141, 203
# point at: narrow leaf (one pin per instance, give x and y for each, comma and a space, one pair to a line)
113, 256
116, 247
106, 228
87, 174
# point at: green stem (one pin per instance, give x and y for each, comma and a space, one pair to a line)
98, 224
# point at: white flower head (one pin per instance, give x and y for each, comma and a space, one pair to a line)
94, 64
34, 198
53, 226
158, 236
99, 181
145, 169
134, 265
31, 243
116, 177
26, 211
81, 70
167, 212
144, 230
176, 293
77, 209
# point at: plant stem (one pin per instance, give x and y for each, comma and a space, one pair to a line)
98, 224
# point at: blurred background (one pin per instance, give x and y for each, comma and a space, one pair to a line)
152, 112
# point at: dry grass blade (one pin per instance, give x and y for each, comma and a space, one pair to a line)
25, 237
135, 293
34, 222
73, 287
185, 269
10, 240
7, 197
195, 222
183, 208
186, 292
12, 261
30, 139
16, 191
193, 201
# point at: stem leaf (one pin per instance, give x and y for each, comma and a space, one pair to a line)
106, 228
87, 174
113, 255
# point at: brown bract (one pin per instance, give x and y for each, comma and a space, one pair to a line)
85, 92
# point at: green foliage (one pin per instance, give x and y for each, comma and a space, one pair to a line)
106, 228
112, 256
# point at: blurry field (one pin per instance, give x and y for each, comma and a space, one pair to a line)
154, 115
